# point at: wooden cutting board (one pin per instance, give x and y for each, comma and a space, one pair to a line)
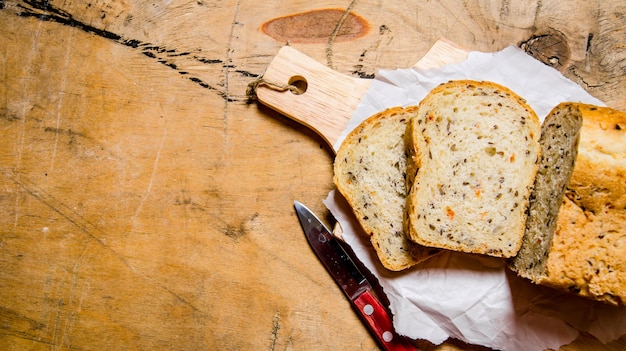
322, 99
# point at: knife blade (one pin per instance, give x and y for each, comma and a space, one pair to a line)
351, 280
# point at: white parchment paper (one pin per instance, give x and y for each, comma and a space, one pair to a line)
468, 297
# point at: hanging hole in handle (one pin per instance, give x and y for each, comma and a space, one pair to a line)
299, 83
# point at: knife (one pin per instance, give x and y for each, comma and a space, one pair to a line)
351, 281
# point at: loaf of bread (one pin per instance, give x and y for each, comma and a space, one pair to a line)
476, 148
559, 147
587, 252
370, 171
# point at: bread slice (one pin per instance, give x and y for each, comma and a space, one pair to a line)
587, 250
476, 146
369, 171
559, 148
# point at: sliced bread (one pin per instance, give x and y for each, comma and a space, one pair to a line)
559, 147
370, 171
587, 252
476, 146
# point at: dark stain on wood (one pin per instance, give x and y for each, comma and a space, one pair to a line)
8, 115
237, 231
67, 132
317, 26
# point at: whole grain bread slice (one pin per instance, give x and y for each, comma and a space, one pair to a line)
476, 148
370, 171
559, 148
585, 252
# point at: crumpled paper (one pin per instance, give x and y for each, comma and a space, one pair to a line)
473, 298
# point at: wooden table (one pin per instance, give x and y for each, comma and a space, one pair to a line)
147, 204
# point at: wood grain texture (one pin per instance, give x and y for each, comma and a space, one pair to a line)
147, 204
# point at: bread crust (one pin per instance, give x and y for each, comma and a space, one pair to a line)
582, 247
475, 146
599, 177
588, 253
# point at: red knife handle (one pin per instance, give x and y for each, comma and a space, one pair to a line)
379, 322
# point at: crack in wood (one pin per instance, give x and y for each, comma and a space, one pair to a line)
43, 11
582, 80
333, 36
275, 329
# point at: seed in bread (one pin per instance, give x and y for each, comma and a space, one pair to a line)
370, 171
476, 147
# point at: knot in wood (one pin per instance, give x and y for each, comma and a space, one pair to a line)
550, 48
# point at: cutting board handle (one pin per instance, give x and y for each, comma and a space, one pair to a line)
322, 99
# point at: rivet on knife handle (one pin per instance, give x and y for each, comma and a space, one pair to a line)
380, 323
